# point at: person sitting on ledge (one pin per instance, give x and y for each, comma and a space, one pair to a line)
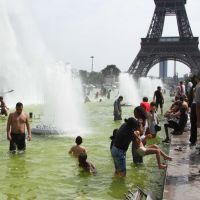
178, 125
175, 107
151, 149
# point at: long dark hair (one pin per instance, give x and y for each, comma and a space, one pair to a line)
140, 113
82, 158
132, 123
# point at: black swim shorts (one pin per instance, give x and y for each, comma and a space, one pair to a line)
17, 141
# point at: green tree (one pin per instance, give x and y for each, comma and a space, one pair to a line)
95, 78
84, 76
111, 70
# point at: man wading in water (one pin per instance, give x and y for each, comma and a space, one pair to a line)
159, 99
16, 129
117, 109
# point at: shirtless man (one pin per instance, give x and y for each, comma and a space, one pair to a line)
16, 128
77, 149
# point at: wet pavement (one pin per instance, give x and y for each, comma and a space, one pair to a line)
183, 173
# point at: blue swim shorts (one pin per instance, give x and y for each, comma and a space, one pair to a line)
119, 157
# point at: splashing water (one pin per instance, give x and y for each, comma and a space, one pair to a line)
128, 89
147, 86
133, 91
23, 54
33, 73
63, 99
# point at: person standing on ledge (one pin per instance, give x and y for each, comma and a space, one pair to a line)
117, 109
16, 129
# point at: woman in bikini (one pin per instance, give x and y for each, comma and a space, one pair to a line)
151, 149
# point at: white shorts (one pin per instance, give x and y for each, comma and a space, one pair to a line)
141, 151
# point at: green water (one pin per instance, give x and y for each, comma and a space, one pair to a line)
46, 171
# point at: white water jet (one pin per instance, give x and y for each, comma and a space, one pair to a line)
128, 89
22, 54
147, 86
133, 92
63, 99
32, 72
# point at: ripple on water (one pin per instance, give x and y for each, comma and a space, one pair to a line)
46, 171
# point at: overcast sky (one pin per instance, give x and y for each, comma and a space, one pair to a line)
109, 30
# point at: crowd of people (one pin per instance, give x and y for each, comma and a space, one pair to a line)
99, 95
145, 124
136, 130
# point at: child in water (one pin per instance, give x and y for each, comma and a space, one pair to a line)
77, 149
87, 166
151, 149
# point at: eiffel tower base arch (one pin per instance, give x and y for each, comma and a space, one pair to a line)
153, 51
155, 48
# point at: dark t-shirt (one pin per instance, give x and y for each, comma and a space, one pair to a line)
123, 137
117, 107
158, 95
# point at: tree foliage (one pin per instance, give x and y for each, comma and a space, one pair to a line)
110, 70
97, 78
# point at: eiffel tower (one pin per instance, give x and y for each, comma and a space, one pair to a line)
155, 48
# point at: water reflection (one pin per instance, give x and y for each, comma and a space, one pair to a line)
118, 188
17, 177
46, 171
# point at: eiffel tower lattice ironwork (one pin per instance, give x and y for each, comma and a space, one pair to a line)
155, 48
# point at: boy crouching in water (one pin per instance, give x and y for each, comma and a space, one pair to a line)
87, 166
151, 149
77, 149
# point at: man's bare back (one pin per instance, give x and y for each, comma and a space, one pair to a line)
76, 150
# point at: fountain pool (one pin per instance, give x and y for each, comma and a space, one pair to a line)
46, 171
